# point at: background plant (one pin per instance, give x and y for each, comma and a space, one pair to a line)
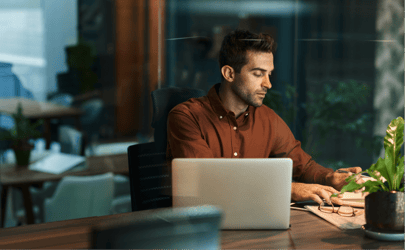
336, 108
22, 131
391, 167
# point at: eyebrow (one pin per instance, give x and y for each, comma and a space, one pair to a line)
261, 69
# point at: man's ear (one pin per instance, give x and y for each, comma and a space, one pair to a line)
228, 73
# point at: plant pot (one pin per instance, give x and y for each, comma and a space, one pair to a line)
22, 155
384, 211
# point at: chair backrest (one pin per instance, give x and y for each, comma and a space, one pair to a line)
163, 101
70, 139
92, 111
170, 228
62, 99
10, 85
79, 197
149, 177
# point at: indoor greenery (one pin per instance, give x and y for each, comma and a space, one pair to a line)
391, 167
22, 131
337, 107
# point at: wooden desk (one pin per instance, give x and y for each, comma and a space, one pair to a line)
10, 176
41, 110
307, 232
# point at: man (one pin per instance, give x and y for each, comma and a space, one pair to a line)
231, 122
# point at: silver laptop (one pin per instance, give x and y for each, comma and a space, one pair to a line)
253, 193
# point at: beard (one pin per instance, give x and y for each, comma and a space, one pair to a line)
250, 99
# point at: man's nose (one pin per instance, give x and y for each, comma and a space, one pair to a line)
266, 82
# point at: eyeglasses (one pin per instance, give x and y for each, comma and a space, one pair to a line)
346, 211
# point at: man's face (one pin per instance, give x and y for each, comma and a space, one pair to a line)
252, 83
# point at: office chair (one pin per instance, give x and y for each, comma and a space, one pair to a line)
164, 100
62, 99
90, 121
149, 177
79, 197
149, 174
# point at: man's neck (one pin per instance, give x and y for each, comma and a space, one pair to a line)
230, 100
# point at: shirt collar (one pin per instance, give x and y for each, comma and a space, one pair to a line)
216, 102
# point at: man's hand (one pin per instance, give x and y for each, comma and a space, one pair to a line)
315, 192
337, 180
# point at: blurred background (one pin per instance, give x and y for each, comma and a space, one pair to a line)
339, 66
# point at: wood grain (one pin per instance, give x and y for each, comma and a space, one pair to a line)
307, 232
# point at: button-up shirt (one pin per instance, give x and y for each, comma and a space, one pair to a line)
204, 128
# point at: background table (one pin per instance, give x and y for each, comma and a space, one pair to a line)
307, 232
41, 110
23, 178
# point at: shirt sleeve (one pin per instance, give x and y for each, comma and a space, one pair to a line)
184, 137
305, 169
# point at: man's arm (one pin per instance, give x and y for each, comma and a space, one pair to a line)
184, 136
305, 168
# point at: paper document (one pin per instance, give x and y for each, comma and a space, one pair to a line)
57, 163
341, 222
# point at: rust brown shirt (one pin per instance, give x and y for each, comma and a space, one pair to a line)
203, 128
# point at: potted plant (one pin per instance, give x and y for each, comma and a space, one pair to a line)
20, 135
384, 205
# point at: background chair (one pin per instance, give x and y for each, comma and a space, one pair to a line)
79, 197
63, 99
149, 177
90, 121
70, 139
164, 100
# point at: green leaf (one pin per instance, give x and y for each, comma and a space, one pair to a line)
399, 173
378, 181
392, 144
350, 187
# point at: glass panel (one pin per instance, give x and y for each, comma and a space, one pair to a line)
335, 65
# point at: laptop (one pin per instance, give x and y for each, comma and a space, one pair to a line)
253, 193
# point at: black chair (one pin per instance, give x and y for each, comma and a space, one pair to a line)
164, 100
149, 174
149, 177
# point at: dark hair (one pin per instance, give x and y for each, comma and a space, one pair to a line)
236, 43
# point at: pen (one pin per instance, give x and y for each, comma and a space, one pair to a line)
343, 171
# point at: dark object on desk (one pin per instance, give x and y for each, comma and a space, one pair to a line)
164, 100
180, 228
149, 177
385, 211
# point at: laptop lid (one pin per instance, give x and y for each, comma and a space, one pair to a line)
253, 193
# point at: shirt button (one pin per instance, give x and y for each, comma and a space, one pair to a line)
235, 154
235, 128
220, 117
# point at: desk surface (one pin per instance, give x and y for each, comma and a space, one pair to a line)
307, 232
10, 175
37, 110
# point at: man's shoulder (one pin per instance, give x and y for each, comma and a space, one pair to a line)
267, 111
191, 105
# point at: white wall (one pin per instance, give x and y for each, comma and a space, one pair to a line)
33, 36
60, 31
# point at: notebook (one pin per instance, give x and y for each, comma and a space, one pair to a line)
57, 163
253, 193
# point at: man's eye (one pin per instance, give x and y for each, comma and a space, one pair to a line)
258, 74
